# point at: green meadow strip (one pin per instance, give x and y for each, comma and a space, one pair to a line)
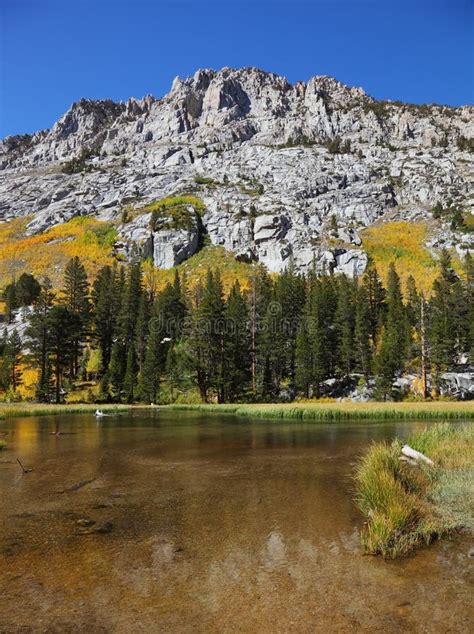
25, 410
341, 411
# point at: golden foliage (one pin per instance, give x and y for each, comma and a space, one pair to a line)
195, 269
48, 252
404, 244
29, 380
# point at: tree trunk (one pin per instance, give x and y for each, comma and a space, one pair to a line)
424, 381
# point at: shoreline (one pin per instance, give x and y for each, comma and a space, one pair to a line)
323, 412
311, 411
25, 410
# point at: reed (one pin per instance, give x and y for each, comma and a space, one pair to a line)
409, 506
342, 411
20, 410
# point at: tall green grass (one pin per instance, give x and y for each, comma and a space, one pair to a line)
408, 506
20, 410
342, 411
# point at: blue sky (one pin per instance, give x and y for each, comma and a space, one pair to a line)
54, 52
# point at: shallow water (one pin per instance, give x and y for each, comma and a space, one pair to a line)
206, 524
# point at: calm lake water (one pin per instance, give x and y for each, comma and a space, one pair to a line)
190, 523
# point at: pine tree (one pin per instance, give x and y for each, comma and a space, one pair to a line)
363, 347
141, 329
130, 303
117, 368
206, 337
344, 325
37, 333
375, 293
62, 326
27, 289
12, 354
468, 306
149, 378
130, 375
258, 299
304, 359
237, 368
9, 297
393, 348
412, 302
104, 291
75, 297
443, 330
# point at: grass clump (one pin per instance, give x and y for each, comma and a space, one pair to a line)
409, 506
3, 444
342, 411
21, 410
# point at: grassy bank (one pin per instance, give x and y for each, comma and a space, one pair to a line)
19, 410
407, 506
343, 411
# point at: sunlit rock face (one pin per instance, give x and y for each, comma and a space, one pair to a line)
286, 172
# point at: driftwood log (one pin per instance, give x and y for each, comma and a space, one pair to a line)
412, 456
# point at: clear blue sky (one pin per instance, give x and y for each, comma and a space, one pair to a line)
53, 52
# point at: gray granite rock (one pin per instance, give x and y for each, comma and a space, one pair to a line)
263, 144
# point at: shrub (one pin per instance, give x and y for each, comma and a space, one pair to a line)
80, 163
203, 180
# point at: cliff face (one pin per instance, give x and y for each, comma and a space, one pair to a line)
284, 171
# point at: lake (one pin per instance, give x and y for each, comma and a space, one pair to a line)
180, 522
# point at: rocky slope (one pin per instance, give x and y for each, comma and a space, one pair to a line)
283, 170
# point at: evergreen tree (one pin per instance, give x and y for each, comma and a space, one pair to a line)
149, 379
344, 325
27, 289
412, 302
141, 329
206, 337
104, 298
258, 299
39, 343
237, 368
130, 375
12, 356
304, 359
375, 293
468, 306
393, 348
75, 297
117, 368
444, 322
9, 297
363, 347
62, 327
130, 304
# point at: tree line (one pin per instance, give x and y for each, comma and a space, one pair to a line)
283, 337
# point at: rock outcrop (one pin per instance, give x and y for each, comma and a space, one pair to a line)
275, 165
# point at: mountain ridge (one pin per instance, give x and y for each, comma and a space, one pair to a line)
278, 167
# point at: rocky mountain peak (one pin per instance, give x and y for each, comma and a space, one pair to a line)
276, 165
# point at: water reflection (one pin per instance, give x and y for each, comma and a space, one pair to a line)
213, 525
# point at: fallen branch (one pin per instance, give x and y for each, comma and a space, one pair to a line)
416, 455
23, 468
77, 486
